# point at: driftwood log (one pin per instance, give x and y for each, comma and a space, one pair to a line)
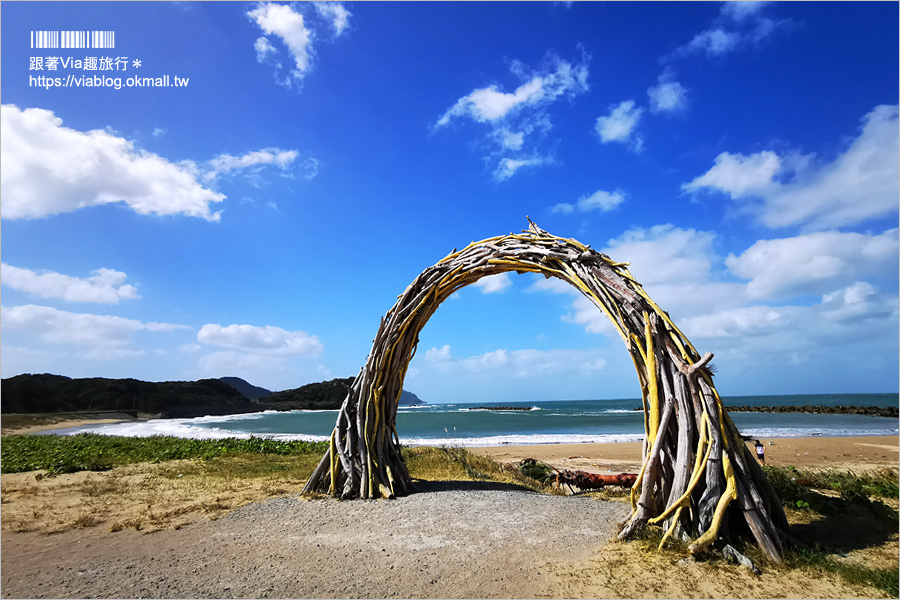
698, 479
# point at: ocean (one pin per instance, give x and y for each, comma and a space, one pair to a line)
550, 422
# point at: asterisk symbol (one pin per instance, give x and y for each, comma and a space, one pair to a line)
137, 63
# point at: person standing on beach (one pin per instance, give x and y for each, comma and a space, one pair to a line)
760, 452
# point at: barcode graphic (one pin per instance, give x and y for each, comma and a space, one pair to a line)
73, 39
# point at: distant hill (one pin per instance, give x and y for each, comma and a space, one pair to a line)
327, 395
47, 393
252, 392
410, 399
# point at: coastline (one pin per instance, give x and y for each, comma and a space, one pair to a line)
22, 424
844, 453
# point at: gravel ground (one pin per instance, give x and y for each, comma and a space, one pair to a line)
452, 540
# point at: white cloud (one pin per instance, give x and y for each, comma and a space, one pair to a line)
98, 336
814, 264
281, 21
509, 166
528, 363
664, 253
761, 326
50, 169
264, 49
600, 200
674, 265
267, 340
551, 285
434, 355
105, 285
738, 175
226, 163
490, 104
668, 95
713, 42
519, 119
335, 11
493, 283
861, 183
741, 9
510, 140
298, 34
619, 125
740, 25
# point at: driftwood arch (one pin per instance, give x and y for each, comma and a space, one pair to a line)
696, 467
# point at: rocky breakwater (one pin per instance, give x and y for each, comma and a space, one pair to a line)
874, 411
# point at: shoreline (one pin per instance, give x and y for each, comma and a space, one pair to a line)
843, 453
22, 424
850, 452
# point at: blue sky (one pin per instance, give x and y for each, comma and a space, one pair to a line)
259, 220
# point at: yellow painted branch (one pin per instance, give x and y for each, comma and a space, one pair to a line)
332, 449
637, 484
391, 480
699, 467
730, 494
671, 529
652, 382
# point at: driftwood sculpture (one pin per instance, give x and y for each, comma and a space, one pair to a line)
698, 478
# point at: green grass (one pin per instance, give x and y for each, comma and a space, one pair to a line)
793, 485
92, 452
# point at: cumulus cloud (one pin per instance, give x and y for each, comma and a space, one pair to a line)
737, 174
600, 200
518, 119
815, 263
284, 22
267, 340
667, 95
862, 183
104, 285
281, 21
493, 283
435, 355
96, 336
50, 169
619, 125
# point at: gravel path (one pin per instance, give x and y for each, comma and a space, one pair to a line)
452, 540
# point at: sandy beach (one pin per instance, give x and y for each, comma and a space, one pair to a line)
853, 453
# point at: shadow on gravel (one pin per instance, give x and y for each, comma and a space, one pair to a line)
424, 486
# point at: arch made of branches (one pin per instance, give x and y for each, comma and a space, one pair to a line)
696, 467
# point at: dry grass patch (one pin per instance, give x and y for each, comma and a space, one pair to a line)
148, 497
